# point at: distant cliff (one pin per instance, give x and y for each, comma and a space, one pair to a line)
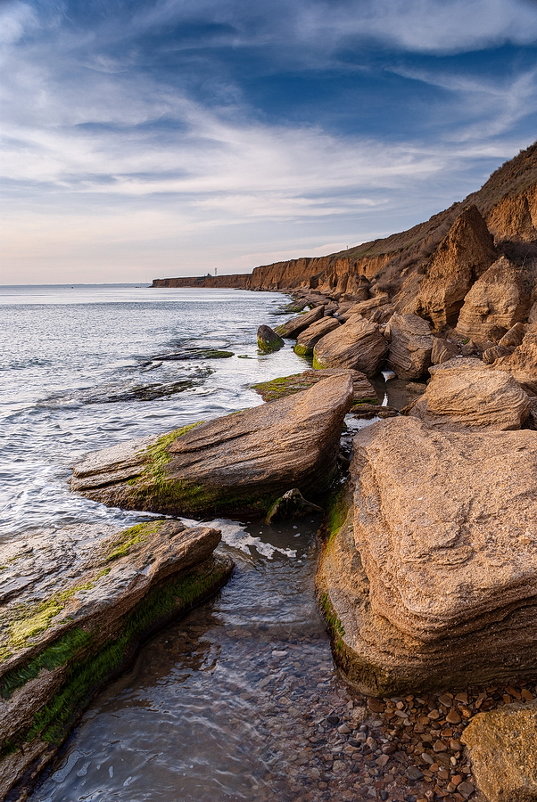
507, 201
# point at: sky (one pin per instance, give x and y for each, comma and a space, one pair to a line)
154, 138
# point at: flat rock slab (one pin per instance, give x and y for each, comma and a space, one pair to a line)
237, 465
293, 327
283, 386
433, 578
472, 397
502, 746
74, 606
307, 338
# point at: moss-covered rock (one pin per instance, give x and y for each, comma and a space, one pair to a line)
268, 341
237, 465
283, 386
88, 599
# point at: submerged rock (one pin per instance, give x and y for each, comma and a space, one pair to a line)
430, 581
74, 605
291, 505
195, 353
472, 397
268, 341
237, 465
283, 386
502, 745
358, 345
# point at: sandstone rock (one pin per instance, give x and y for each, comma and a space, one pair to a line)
358, 345
472, 398
294, 326
431, 581
464, 254
411, 344
270, 390
502, 745
514, 336
75, 604
522, 363
268, 340
497, 300
490, 355
365, 308
442, 350
237, 465
307, 338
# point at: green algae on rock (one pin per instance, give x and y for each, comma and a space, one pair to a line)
237, 465
87, 599
283, 386
268, 341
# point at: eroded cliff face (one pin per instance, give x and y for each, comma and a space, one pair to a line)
507, 202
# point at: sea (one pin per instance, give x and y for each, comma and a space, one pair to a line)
231, 702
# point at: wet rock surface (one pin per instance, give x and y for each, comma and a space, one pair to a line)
236, 465
288, 385
74, 606
267, 340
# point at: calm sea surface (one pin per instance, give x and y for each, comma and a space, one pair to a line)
221, 705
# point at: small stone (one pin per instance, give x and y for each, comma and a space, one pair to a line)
434, 715
453, 716
446, 699
413, 773
439, 746
527, 695
455, 745
344, 729
462, 697
466, 789
376, 705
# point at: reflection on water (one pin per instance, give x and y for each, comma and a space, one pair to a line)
224, 705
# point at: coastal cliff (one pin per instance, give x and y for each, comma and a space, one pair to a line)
507, 202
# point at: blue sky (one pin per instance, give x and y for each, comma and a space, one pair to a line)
170, 137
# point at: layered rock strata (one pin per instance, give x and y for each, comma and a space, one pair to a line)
472, 397
74, 606
357, 345
237, 465
283, 386
293, 327
411, 345
431, 581
308, 338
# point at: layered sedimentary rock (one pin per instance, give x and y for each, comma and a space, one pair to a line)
237, 465
432, 580
472, 397
500, 298
310, 336
502, 745
74, 606
283, 386
411, 344
522, 363
297, 324
443, 350
358, 345
465, 253
365, 308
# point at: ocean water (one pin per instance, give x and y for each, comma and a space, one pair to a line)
76, 361
220, 706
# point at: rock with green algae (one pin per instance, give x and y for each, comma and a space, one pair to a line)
237, 465
268, 341
74, 606
307, 338
283, 386
502, 745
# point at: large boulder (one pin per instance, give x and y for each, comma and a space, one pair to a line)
358, 345
500, 298
443, 350
365, 308
502, 745
310, 336
431, 581
522, 362
462, 256
293, 327
237, 465
268, 341
411, 344
362, 389
472, 397
74, 605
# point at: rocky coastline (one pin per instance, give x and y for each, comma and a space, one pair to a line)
427, 575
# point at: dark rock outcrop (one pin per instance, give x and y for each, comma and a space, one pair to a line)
237, 465
268, 341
